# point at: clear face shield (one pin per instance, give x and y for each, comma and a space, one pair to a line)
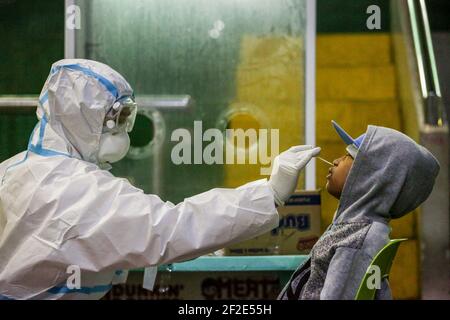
121, 117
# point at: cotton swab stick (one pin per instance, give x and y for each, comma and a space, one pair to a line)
327, 162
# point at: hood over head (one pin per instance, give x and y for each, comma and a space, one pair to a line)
72, 106
390, 176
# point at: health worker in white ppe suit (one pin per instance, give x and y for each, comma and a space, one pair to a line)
59, 207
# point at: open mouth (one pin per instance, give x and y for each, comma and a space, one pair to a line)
330, 173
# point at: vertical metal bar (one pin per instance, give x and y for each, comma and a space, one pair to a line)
418, 48
69, 34
430, 50
310, 89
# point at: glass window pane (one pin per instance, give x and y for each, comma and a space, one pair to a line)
242, 62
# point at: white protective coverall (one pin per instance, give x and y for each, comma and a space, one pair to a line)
59, 208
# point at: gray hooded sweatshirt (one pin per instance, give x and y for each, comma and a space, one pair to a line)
390, 176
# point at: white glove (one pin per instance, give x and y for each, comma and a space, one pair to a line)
286, 169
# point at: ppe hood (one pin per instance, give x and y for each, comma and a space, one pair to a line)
72, 106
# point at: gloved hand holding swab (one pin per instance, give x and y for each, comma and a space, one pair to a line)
286, 169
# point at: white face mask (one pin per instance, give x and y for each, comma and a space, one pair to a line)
113, 147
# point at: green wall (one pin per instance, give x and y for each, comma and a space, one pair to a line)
32, 38
336, 16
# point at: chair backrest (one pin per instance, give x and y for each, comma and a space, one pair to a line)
379, 267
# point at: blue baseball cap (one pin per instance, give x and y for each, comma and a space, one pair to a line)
352, 144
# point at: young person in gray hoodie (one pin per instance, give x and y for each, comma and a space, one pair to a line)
384, 175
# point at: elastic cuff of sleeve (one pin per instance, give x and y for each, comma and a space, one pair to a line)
277, 199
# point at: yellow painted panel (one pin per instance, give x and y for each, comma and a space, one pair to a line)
404, 276
359, 83
354, 117
405, 227
359, 49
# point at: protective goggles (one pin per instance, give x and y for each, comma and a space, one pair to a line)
122, 115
